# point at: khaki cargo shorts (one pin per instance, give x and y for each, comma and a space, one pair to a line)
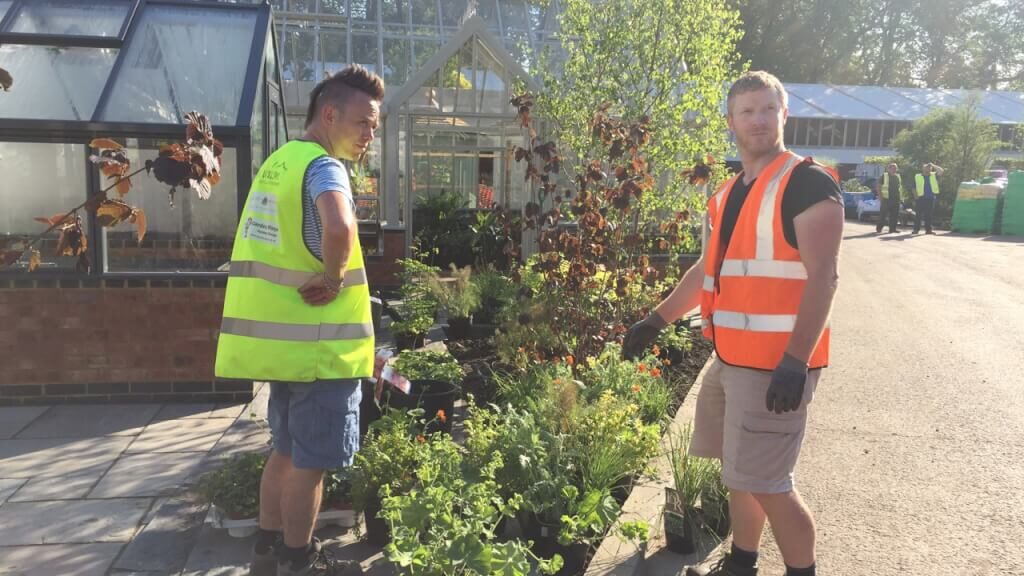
758, 448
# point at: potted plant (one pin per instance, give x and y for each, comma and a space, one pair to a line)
459, 296
336, 500
496, 292
386, 458
234, 491
690, 476
434, 379
413, 319
714, 502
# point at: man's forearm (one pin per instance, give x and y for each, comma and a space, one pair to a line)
685, 296
815, 308
337, 247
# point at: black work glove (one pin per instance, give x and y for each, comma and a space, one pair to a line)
787, 388
641, 335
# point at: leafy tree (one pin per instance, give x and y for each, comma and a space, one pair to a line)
663, 62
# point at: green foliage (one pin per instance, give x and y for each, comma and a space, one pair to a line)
235, 486
418, 305
459, 295
337, 486
497, 292
691, 475
497, 237
640, 382
428, 365
441, 235
854, 185
448, 525
663, 60
386, 458
610, 442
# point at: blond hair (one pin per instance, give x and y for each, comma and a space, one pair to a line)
757, 80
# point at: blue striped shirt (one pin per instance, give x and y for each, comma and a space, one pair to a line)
325, 174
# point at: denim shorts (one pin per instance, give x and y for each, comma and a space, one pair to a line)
317, 423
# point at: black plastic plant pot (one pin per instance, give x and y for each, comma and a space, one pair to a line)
457, 329
679, 533
404, 341
377, 532
431, 396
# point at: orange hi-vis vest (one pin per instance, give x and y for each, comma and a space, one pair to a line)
752, 288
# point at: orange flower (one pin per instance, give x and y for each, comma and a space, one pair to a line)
441, 416
656, 372
636, 388
641, 368
666, 362
570, 360
420, 438
656, 351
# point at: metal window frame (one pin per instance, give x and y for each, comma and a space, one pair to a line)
238, 136
65, 40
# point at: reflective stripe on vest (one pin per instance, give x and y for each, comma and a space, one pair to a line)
754, 322
295, 332
285, 277
766, 213
787, 269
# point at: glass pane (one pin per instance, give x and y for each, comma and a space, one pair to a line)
301, 5
333, 7
394, 12
364, 13
513, 14
488, 10
299, 54
270, 61
422, 50
452, 12
40, 180
54, 83
396, 61
5, 5
72, 17
364, 51
181, 59
194, 235
333, 52
424, 18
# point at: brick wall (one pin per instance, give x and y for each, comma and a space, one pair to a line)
111, 341
382, 271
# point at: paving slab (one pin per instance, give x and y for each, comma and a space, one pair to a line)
58, 559
175, 411
87, 421
184, 435
245, 435
24, 458
150, 474
166, 539
220, 554
228, 410
9, 486
83, 521
14, 418
75, 485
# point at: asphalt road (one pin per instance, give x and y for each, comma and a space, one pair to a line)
914, 459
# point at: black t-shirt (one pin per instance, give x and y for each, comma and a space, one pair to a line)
808, 185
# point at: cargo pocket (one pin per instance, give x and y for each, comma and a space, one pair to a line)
769, 444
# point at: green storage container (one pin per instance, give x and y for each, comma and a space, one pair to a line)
1013, 207
974, 215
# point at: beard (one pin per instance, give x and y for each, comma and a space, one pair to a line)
758, 144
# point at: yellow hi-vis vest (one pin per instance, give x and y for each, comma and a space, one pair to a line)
919, 185
268, 333
884, 187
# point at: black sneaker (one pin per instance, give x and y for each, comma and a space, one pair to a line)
724, 567
321, 562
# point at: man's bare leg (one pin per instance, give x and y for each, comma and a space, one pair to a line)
792, 526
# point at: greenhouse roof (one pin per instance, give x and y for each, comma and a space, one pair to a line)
131, 61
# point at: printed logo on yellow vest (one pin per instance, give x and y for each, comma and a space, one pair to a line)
261, 231
263, 203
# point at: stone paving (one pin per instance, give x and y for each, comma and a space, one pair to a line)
97, 490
